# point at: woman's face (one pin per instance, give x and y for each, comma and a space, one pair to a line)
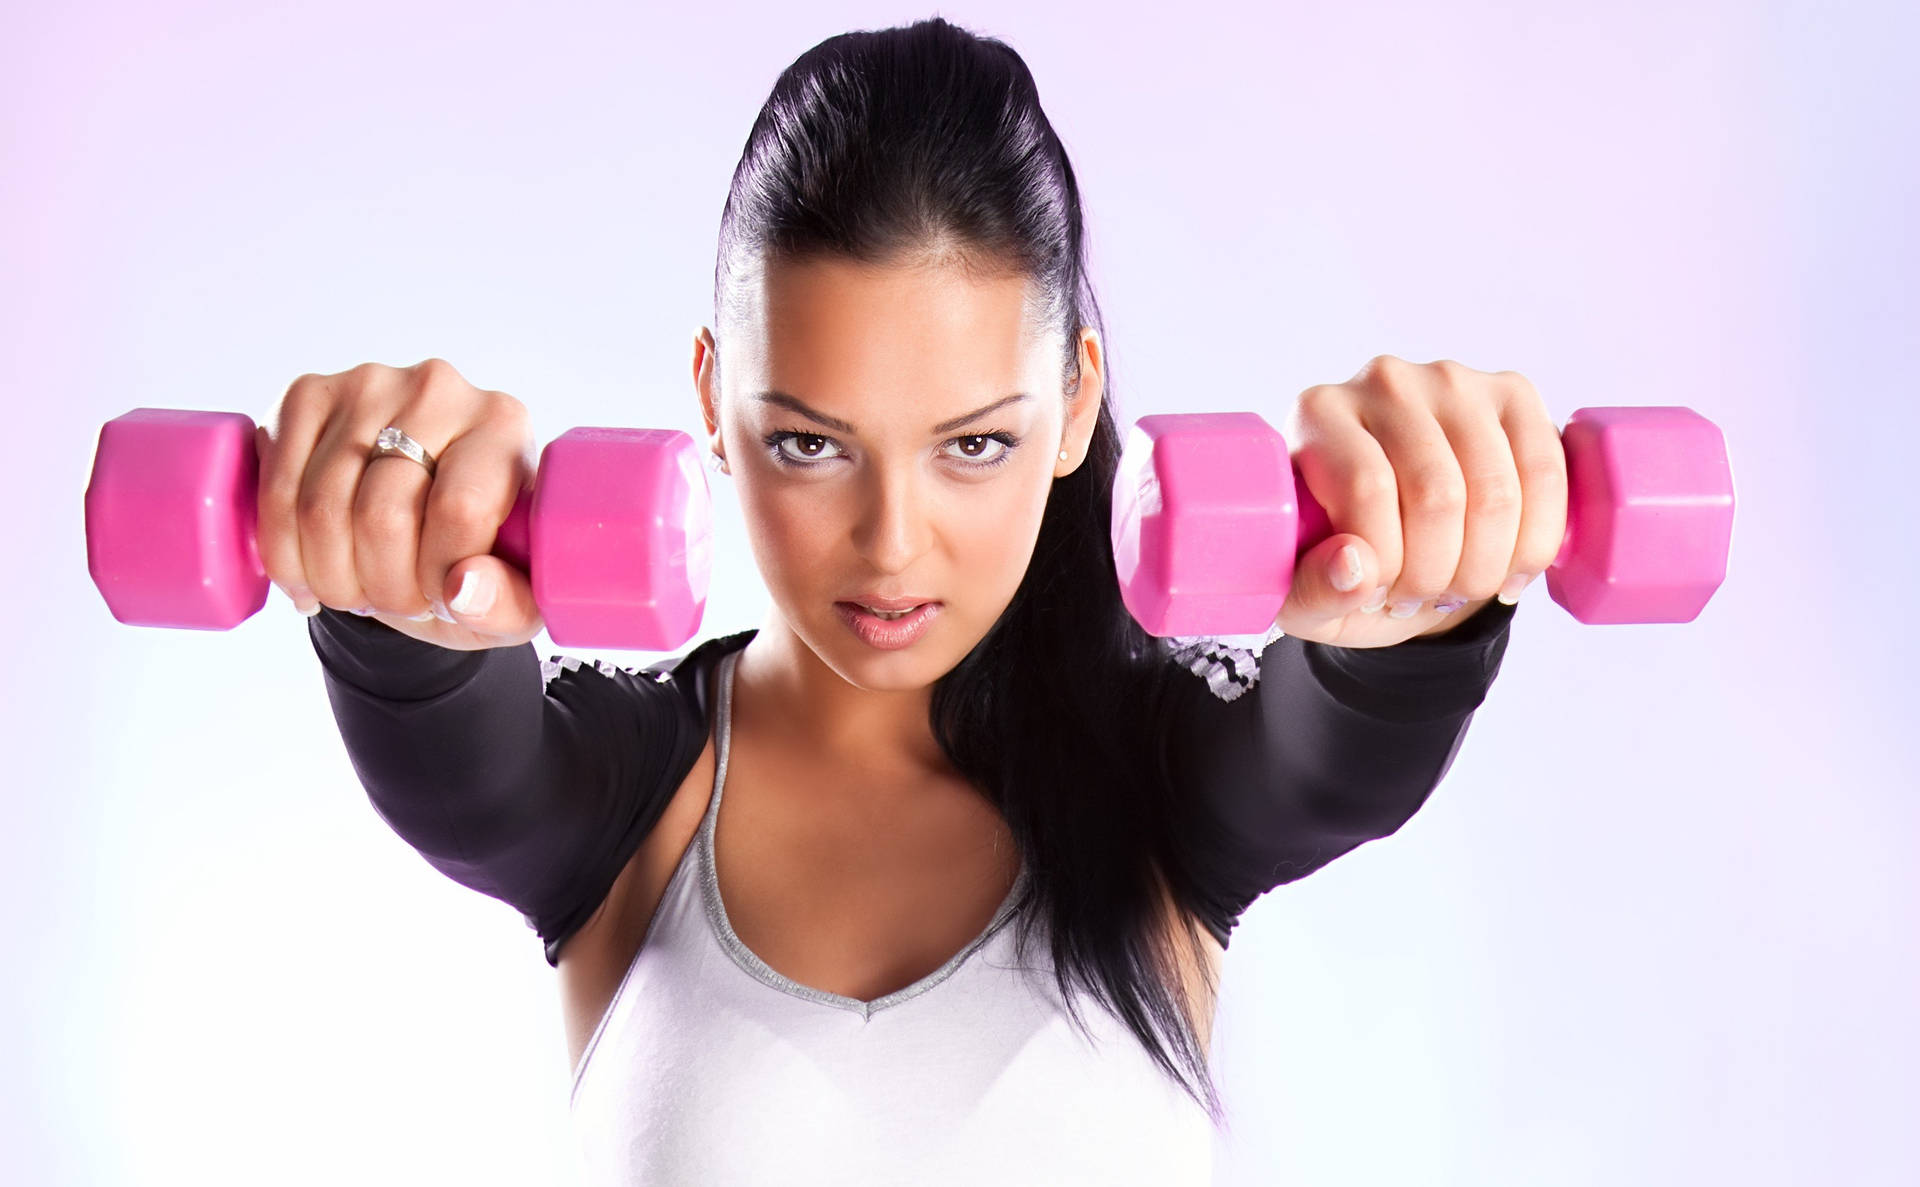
915, 475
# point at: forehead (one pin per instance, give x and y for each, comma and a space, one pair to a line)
839, 330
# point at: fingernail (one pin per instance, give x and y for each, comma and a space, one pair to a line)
423, 616
475, 597
1510, 592
1448, 604
1378, 600
440, 612
1403, 609
303, 600
1346, 570
364, 611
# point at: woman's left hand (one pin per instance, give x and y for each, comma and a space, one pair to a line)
1450, 483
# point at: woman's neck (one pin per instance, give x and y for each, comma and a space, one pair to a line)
794, 700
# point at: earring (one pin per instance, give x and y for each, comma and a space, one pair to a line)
1063, 455
718, 463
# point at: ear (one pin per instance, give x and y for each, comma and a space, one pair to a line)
1083, 406
703, 348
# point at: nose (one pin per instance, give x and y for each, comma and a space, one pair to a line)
892, 529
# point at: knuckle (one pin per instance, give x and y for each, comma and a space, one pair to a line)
319, 514
357, 382
1453, 375
279, 550
1320, 408
1544, 475
1498, 496
499, 406
275, 560
1437, 494
305, 392
1314, 400
279, 489
1386, 367
436, 374
385, 521
1372, 484
1400, 390
465, 509
1516, 382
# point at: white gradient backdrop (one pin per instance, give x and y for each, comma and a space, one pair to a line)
1657, 925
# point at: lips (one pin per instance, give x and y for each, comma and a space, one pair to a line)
888, 634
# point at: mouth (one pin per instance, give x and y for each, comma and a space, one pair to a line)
888, 629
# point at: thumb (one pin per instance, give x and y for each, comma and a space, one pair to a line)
491, 597
1316, 592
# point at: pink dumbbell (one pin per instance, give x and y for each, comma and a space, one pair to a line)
1210, 518
616, 533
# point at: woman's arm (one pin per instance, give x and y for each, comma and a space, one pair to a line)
1318, 751
528, 782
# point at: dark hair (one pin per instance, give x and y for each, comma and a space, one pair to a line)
927, 143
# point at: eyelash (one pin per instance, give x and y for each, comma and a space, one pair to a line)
774, 440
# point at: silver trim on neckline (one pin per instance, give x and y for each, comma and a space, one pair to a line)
744, 956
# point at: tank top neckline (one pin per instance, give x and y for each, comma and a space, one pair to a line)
744, 956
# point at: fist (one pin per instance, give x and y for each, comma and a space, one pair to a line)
384, 537
1450, 485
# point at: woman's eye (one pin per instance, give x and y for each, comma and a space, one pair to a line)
810, 447
981, 447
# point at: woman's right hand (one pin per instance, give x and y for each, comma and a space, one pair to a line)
381, 535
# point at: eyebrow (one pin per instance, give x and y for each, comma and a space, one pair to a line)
795, 404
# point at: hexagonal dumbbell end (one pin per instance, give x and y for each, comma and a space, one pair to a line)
171, 515
1649, 515
1205, 522
617, 538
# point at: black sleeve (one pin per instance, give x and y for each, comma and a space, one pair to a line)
529, 782
1292, 759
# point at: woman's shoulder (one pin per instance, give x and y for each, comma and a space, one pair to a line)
702, 657
690, 673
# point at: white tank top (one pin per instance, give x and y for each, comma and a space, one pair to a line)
711, 1068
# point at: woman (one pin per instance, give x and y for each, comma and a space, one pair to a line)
964, 911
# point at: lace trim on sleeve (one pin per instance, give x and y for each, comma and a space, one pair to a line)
554, 665
1230, 664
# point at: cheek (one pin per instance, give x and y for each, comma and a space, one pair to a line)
995, 539
792, 539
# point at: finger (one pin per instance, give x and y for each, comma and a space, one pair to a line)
324, 508
1313, 593
1430, 497
1493, 501
283, 451
501, 598
389, 506
396, 495
481, 475
1347, 473
1540, 460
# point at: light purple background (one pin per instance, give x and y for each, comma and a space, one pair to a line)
1657, 925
